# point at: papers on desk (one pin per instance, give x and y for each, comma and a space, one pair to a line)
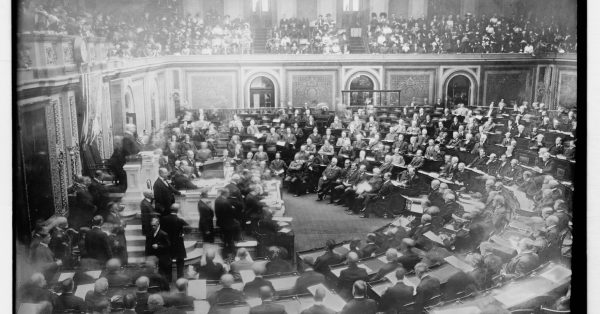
470, 309
253, 301
512, 296
82, 290
332, 301
65, 276
197, 289
94, 273
285, 230
283, 219
249, 243
557, 274
381, 287
383, 258
284, 283
247, 275
201, 307
238, 286
433, 237
337, 271
452, 260
278, 172
280, 143
392, 277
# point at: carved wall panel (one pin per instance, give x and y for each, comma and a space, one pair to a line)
76, 158
508, 85
567, 88
306, 87
417, 84
58, 156
212, 89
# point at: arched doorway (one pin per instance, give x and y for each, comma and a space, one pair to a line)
361, 88
458, 90
262, 93
130, 117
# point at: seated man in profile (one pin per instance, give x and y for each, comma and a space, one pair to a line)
328, 258
182, 180
525, 261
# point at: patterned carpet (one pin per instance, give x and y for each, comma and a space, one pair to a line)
316, 222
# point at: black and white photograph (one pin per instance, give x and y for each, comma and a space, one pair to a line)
299, 157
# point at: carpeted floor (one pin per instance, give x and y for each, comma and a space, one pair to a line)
316, 222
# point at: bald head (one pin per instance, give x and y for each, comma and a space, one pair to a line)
181, 284
101, 285
175, 208
258, 269
227, 280
38, 280
391, 255
154, 301
265, 293
142, 283
113, 265
320, 294
352, 258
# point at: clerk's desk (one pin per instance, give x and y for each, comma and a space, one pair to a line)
545, 284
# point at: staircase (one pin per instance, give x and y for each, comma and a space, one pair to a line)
356, 45
260, 40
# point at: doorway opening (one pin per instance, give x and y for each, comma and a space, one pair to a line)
262, 93
458, 90
362, 91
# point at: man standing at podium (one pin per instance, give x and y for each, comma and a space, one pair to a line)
164, 193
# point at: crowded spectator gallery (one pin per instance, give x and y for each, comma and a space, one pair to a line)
295, 156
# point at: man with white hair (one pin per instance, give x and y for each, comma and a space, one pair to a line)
330, 174
525, 261
130, 146
428, 287
350, 275
92, 298
226, 294
391, 255
546, 164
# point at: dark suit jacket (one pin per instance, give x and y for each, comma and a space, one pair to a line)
347, 278
206, 217
130, 145
251, 289
278, 266
268, 307
97, 245
211, 271
164, 246
409, 259
436, 198
141, 301
67, 301
395, 297
385, 269
117, 279
182, 182
523, 263
428, 288
225, 213
164, 196
360, 306
368, 250
307, 279
180, 299
173, 226
147, 214
324, 261
318, 309
225, 295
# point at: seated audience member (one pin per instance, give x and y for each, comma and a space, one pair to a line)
141, 294
210, 270
150, 271
276, 263
428, 287
371, 247
360, 304
267, 306
114, 275
252, 288
129, 304
391, 255
318, 307
35, 291
327, 259
180, 297
156, 305
99, 294
396, 296
226, 294
309, 277
350, 275
67, 301
243, 262
525, 261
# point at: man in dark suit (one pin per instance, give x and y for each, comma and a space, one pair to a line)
130, 145
129, 304
435, 196
114, 275
42, 258
418, 232
206, 223
148, 212
99, 191
370, 246
159, 245
97, 244
150, 270
211, 270
141, 294
428, 287
391, 255
409, 179
397, 295
225, 294
409, 258
174, 227
308, 278
67, 301
267, 306
387, 188
98, 295
360, 304
164, 193
329, 258
230, 227
276, 263
319, 307
330, 174
180, 297
350, 275
252, 288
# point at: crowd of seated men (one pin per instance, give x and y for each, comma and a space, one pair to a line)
469, 34
299, 36
146, 31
